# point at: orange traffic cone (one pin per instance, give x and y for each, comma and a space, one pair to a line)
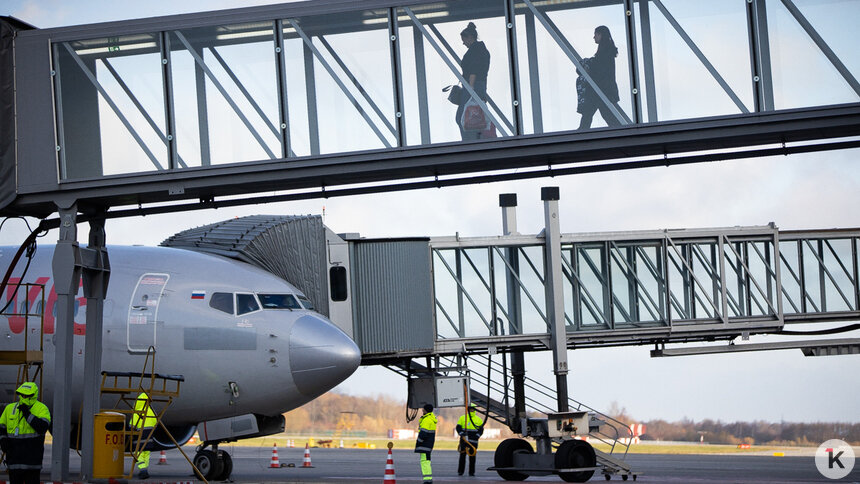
292, 443
163, 459
306, 462
389, 470
276, 464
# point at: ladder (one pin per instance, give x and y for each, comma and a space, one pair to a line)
126, 387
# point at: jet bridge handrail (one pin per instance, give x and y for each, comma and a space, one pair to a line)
536, 406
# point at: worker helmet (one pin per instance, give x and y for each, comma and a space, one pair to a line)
28, 389
428, 408
28, 393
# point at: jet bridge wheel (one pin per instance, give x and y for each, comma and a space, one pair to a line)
504, 457
572, 454
208, 463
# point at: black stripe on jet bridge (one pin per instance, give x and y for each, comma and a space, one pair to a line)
220, 339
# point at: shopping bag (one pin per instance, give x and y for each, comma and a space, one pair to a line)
490, 132
473, 117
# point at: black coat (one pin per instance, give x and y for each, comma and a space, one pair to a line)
476, 61
601, 68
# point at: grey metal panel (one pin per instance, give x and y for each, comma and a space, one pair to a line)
392, 295
291, 247
35, 111
8, 27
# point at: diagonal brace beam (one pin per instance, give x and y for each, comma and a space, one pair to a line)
202, 64
318, 55
701, 56
112, 105
480, 102
819, 41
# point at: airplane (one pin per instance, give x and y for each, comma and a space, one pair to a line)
248, 344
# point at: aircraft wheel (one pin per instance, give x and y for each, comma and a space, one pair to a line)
227, 463
504, 457
208, 464
572, 454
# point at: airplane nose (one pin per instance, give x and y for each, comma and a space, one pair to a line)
321, 355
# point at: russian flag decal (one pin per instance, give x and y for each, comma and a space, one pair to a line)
198, 294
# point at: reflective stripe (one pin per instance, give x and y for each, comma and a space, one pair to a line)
24, 466
23, 436
423, 449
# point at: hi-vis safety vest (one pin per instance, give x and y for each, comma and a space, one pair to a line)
143, 405
426, 433
23, 437
472, 425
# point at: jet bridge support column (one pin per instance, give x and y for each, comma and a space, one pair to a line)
66, 266
508, 202
555, 293
96, 272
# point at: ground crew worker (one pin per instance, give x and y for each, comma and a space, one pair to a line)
22, 435
470, 427
143, 418
425, 441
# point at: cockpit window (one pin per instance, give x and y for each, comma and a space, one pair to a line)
279, 301
306, 303
246, 303
222, 301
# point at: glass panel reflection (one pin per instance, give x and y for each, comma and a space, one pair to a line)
225, 94
803, 75
111, 112
693, 69
339, 83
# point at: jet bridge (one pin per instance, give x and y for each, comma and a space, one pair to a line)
455, 302
207, 106
417, 297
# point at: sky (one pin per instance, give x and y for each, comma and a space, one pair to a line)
819, 190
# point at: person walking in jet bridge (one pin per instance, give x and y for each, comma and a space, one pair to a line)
143, 418
424, 442
470, 427
22, 435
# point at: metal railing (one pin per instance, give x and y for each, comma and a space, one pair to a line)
644, 285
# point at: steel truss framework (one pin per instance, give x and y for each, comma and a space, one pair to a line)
643, 287
179, 100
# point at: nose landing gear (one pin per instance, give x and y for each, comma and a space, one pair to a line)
213, 465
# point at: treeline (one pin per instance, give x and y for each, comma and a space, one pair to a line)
336, 413
758, 432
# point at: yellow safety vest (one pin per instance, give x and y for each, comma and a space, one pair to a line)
143, 403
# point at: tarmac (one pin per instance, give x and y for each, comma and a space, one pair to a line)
251, 465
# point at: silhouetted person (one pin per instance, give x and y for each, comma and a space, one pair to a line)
601, 68
475, 66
